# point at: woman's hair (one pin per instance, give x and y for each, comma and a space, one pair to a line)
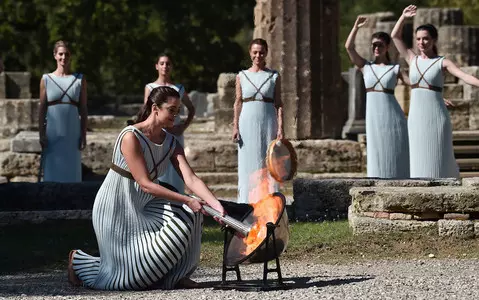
261, 42
59, 44
386, 38
158, 96
164, 54
432, 30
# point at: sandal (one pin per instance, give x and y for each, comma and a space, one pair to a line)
72, 277
187, 283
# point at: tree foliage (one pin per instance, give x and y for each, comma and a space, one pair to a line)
116, 43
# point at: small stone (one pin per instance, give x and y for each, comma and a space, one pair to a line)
431, 255
455, 216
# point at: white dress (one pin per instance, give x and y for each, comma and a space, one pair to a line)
143, 241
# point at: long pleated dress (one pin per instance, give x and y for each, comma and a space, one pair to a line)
387, 142
171, 176
258, 126
62, 156
430, 129
144, 242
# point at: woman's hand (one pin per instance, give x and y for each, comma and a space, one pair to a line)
195, 205
360, 22
236, 136
409, 11
448, 103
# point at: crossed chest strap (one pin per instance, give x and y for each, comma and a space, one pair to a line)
258, 90
429, 86
378, 81
64, 93
153, 171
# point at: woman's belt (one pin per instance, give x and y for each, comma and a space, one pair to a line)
267, 100
428, 87
126, 174
56, 102
387, 91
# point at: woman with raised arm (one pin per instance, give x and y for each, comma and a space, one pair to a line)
386, 127
148, 235
258, 120
164, 66
62, 119
430, 129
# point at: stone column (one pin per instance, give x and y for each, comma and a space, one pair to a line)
303, 40
459, 44
356, 105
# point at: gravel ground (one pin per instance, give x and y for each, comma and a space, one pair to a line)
413, 279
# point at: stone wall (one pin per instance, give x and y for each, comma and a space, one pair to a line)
205, 153
444, 210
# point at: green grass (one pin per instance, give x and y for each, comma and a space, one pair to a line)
45, 246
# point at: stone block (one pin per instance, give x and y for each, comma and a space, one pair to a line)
325, 199
4, 145
453, 91
366, 225
17, 85
24, 179
459, 43
224, 120
19, 164
414, 200
3, 91
17, 115
439, 17
456, 216
226, 157
26, 142
211, 99
3, 179
225, 99
201, 158
459, 114
456, 228
226, 80
328, 156
474, 115
199, 102
470, 182
449, 78
476, 229
400, 216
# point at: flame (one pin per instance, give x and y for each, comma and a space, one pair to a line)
266, 208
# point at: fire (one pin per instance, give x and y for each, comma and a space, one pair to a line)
267, 209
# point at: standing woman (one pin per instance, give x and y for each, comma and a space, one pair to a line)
430, 129
164, 66
386, 127
62, 119
148, 235
258, 120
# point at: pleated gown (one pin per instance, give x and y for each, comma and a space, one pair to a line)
429, 123
143, 241
387, 142
62, 157
258, 126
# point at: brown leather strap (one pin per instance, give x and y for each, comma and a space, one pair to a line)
429, 86
258, 90
121, 171
65, 91
265, 99
56, 102
378, 81
387, 91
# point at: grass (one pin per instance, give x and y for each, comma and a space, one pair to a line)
45, 246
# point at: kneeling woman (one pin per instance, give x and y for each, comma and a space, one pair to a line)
148, 235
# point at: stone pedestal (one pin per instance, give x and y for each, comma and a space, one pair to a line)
224, 102
357, 105
303, 40
16, 85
